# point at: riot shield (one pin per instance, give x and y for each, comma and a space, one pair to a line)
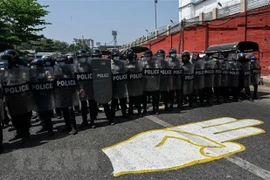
165, 75
135, 78
151, 76
246, 72
2, 115
177, 74
209, 73
119, 77
42, 85
17, 91
199, 74
218, 73
102, 80
84, 78
234, 72
66, 94
188, 80
225, 73
255, 73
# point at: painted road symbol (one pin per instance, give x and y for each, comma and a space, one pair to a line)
180, 146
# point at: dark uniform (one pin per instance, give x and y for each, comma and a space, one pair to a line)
188, 78
255, 75
198, 77
85, 84
165, 77
177, 76
119, 84
66, 95
42, 82
151, 81
135, 81
18, 94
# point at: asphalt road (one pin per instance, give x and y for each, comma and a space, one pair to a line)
81, 157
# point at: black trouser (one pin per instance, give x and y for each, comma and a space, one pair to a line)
255, 96
69, 117
22, 124
235, 93
155, 100
246, 94
208, 94
198, 93
137, 101
123, 104
46, 117
217, 92
93, 110
247, 91
6, 118
166, 98
190, 98
58, 112
108, 112
225, 92
179, 97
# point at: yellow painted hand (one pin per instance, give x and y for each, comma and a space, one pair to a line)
180, 146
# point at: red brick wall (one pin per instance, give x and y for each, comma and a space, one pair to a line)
249, 26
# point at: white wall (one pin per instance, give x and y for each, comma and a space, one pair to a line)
192, 8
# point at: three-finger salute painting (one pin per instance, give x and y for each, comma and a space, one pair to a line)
180, 146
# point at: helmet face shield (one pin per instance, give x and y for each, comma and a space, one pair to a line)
173, 55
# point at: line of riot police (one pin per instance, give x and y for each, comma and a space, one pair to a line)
90, 80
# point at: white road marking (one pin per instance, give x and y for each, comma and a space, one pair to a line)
262, 173
256, 170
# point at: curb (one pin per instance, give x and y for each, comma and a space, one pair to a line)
266, 81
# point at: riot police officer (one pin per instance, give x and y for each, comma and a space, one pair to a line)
177, 75
198, 77
188, 82
165, 77
66, 95
209, 77
151, 81
102, 75
17, 94
2, 113
255, 74
49, 61
42, 82
233, 81
84, 79
96, 53
225, 78
245, 78
119, 73
134, 83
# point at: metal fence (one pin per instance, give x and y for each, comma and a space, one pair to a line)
208, 16
253, 4
227, 9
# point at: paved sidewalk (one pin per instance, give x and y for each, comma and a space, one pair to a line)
266, 80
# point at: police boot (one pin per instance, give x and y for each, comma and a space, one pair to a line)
111, 121
92, 124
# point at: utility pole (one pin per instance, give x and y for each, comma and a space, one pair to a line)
182, 26
156, 1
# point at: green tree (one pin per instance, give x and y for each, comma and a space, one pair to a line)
20, 21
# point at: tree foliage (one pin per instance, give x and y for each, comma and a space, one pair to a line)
51, 45
20, 21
